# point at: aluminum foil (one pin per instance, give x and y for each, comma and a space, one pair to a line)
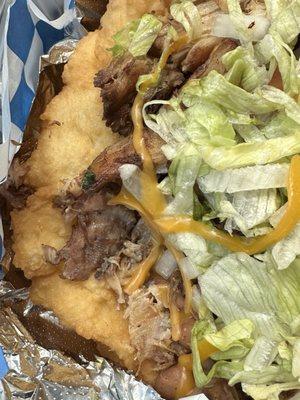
40, 374
59, 53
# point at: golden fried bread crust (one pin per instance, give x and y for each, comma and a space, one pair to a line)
89, 308
37, 224
64, 150
73, 135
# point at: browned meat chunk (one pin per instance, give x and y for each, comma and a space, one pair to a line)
106, 165
199, 53
118, 82
96, 236
214, 61
118, 88
171, 78
186, 330
218, 389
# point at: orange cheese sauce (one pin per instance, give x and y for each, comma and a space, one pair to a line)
205, 349
187, 383
142, 270
237, 243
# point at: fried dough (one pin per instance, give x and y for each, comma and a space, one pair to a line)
90, 309
66, 149
73, 135
37, 224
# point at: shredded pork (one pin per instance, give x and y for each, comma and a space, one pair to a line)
150, 328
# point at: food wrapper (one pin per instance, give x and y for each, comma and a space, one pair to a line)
39, 358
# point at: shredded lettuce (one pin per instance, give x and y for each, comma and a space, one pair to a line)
248, 209
237, 18
262, 354
186, 13
282, 100
275, 7
123, 38
222, 368
231, 335
217, 89
204, 122
244, 69
244, 154
223, 27
194, 247
279, 125
243, 179
286, 250
273, 46
233, 135
269, 392
137, 37
234, 288
183, 172
285, 18
257, 345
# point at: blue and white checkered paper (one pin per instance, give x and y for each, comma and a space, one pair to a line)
28, 29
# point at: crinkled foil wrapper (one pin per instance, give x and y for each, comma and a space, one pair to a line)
35, 372
39, 374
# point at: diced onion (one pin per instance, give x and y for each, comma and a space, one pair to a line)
196, 298
166, 265
258, 26
188, 268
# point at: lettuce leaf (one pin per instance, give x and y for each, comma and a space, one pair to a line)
269, 392
234, 288
186, 13
137, 37
282, 100
247, 178
222, 369
286, 250
244, 69
123, 38
183, 172
248, 209
244, 154
262, 354
279, 125
194, 247
217, 89
273, 46
204, 122
223, 27
231, 335
285, 18
240, 22
258, 335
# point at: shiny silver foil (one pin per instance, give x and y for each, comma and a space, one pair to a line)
59, 53
39, 374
